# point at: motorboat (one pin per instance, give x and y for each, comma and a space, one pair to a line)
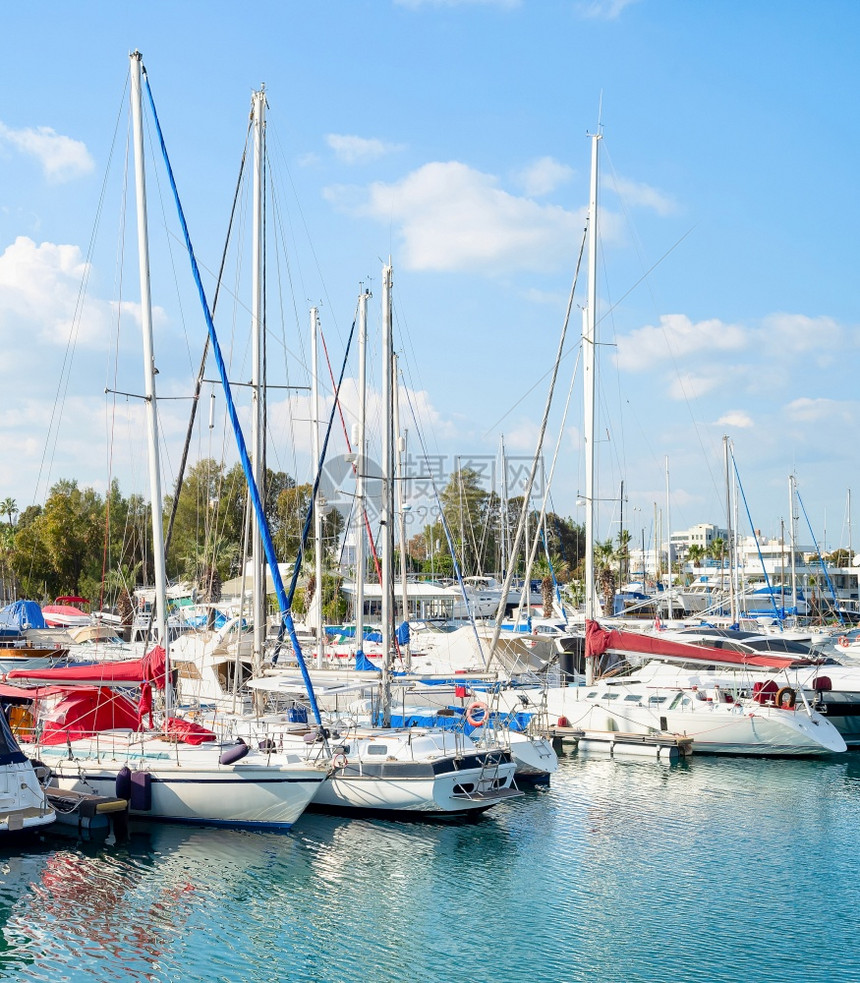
23, 805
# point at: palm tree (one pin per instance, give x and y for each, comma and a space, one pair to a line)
695, 554
8, 507
123, 579
604, 556
624, 555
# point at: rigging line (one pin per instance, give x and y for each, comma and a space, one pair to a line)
554, 368
354, 466
71, 342
820, 557
758, 547
457, 571
539, 532
527, 490
600, 320
307, 233
114, 357
202, 369
284, 600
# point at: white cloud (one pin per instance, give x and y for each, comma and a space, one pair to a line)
453, 217
691, 385
41, 299
357, 150
808, 410
544, 175
797, 333
641, 195
62, 158
735, 418
675, 337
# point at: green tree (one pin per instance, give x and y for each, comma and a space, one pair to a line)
604, 558
465, 508
9, 507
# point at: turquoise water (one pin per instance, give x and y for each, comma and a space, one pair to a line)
711, 870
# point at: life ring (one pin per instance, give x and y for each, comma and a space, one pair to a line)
340, 760
786, 691
844, 641
477, 713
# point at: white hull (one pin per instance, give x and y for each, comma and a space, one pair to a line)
470, 788
187, 784
23, 805
716, 728
393, 770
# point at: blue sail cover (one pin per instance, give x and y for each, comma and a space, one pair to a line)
348, 631
20, 615
362, 662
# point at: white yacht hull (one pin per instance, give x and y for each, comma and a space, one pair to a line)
23, 805
716, 728
188, 784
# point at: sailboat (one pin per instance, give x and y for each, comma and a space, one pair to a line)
719, 722
99, 743
388, 771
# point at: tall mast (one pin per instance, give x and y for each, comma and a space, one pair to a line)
589, 360
669, 612
360, 471
258, 103
729, 535
505, 549
149, 360
315, 443
388, 496
401, 514
792, 534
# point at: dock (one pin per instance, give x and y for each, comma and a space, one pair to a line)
89, 813
661, 745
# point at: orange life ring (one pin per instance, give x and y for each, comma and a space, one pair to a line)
477, 713
792, 698
844, 641
340, 760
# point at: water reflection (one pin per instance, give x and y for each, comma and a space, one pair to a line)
618, 871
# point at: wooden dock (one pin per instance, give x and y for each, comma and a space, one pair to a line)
90, 813
661, 745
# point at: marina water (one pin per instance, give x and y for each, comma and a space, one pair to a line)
712, 869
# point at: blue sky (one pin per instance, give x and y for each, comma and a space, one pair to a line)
453, 136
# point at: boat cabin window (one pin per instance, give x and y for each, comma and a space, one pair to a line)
592, 695
611, 696
377, 749
654, 701
631, 698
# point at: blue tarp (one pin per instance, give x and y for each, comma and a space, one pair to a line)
20, 615
362, 662
348, 631
455, 719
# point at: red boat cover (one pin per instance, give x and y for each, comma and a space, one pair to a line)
87, 711
188, 731
150, 669
599, 640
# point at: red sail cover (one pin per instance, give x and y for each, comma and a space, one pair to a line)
150, 669
599, 640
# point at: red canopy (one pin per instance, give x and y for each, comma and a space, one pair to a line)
599, 640
150, 669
